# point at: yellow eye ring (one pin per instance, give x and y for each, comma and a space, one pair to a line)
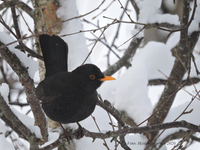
92, 77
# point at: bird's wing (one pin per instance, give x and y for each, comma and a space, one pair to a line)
52, 87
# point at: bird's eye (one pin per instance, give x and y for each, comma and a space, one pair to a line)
92, 77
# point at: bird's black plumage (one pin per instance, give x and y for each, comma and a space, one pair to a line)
67, 97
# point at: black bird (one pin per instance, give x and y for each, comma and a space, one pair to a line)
67, 97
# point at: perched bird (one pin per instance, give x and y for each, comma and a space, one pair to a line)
67, 97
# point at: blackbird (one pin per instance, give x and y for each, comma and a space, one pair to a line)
67, 97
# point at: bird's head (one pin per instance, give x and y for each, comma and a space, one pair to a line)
90, 77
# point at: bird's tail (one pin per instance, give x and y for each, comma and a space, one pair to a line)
55, 52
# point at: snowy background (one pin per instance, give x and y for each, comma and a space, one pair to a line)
130, 91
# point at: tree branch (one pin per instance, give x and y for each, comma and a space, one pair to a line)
20, 4
177, 135
125, 60
31, 52
17, 124
186, 82
9, 123
176, 75
140, 130
110, 109
124, 131
29, 88
15, 20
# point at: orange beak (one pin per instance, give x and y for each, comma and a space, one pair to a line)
106, 78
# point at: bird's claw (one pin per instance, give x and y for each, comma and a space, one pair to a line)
66, 134
79, 132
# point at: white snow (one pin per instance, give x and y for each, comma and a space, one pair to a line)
3, 128
76, 43
4, 91
131, 92
5, 145
149, 13
195, 23
26, 120
176, 111
52, 137
161, 18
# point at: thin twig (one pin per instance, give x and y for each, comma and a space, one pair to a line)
132, 36
103, 10
126, 12
145, 129
80, 16
29, 29
97, 41
15, 20
105, 144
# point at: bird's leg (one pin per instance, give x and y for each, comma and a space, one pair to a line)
79, 131
68, 137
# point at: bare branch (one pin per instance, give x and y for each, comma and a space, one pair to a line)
145, 129
176, 74
31, 52
97, 41
20, 4
174, 136
125, 60
15, 20
79, 16
28, 84
110, 109
16, 123
127, 130
163, 81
